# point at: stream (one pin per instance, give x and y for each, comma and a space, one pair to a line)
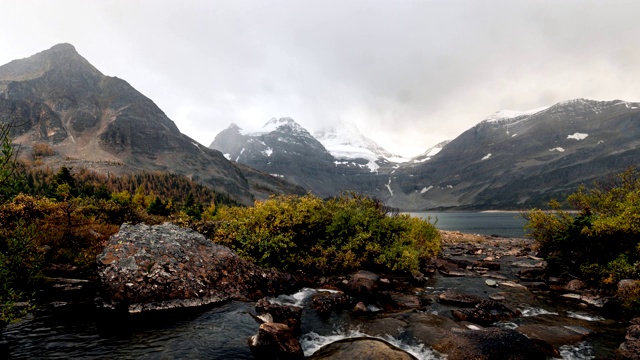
79, 331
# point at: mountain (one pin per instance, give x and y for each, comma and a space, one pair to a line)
346, 142
523, 159
57, 98
283, 148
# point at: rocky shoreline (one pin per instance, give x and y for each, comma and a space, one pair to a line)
501, 318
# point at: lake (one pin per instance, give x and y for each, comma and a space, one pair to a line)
505, 224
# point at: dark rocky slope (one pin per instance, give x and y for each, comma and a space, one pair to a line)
525, 160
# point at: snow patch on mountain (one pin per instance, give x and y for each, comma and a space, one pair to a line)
431, 152
424, 190
388, 186
558, 149
486, 156
502, 115
577, 136
373, 166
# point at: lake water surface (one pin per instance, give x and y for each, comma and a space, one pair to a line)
505, 224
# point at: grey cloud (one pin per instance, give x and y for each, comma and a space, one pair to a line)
409, 73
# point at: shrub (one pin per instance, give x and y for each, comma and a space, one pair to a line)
21, 263
601, 242
42, 150
339, 234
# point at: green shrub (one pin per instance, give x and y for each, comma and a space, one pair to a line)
21, 263
339, 234
600, 243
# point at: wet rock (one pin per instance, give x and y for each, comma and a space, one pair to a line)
532, 274
429, 328
275, 341
576, 285
360, 308
633, 332
492, 343
555, 335
164, 266
284, 314
536, 285
589, 299
459, 299
363, 284
450, 267
418, 277
489, 265
512, 284
485, 313
361, 349
383, 326
325, 302
524, 264
630, 348
401, 300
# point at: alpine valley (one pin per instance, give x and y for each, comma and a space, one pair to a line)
510, 160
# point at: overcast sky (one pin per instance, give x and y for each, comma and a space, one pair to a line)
409, 74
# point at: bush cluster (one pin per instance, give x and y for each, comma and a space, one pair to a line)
599, 241
324, 236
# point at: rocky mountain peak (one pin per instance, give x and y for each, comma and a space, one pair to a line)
59, 98
284, 124
62, 58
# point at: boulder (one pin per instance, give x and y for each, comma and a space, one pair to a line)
492, 343
630, 348
363, 284
325, 302
164, 266
275, 341
284, 314
555, 335
429, 328
362, 348
485, 313
576, 285
404, 301
454, 268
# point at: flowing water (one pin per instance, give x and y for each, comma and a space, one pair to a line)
221, 332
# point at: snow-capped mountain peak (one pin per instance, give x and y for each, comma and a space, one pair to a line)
346, 142
284, 124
